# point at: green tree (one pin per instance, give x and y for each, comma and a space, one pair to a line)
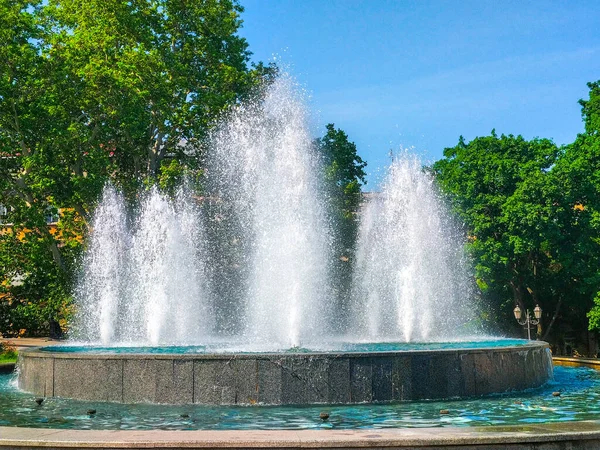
344, 170
150, 76
31, 180
532, 212
577, 175
503, 190
98, 90
344, 177
590, 110
581, 168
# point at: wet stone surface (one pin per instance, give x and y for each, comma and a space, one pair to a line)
579, 400
284, 379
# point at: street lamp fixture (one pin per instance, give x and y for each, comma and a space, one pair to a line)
528, 321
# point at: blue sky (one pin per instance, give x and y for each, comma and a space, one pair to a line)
418, 74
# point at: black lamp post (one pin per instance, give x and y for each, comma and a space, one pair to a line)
528, 321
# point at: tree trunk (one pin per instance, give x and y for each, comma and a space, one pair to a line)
155, 154
57, 256
53, 247
556, 311
517, 295
82, 212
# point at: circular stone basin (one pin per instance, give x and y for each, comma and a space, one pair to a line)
358, 373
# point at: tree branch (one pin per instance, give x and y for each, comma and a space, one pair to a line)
554, 317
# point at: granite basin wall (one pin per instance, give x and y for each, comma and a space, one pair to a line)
284, 379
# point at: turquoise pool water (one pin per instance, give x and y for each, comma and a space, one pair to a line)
579, 400
332, 348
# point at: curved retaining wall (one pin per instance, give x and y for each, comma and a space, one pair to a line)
284, 379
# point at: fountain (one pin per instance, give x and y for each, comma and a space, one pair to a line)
410, 273
146, 284
228, 299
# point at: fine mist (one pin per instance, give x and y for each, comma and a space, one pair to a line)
249, 264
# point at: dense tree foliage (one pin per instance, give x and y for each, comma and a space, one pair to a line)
582, 174
98, 90
127, 91
531, 212
590, 110
344, 177
498, 187
344, 170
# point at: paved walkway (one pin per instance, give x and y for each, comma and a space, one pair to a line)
576, 362
575, 435
29, 342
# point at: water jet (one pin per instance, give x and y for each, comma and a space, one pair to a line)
228, 300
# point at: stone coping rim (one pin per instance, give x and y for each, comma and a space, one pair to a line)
39, 352
12, 437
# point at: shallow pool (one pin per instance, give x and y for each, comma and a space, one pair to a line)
579, 400
330, 347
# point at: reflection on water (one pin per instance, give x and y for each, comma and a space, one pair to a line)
579, 400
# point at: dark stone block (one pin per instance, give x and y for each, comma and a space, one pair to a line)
339, 380
317, 371
89, 379
529, 368
361, 380
183, 380
514, 371
539, 366
246, 383
402, 378
547, 364
114, 380
468, 377
214, 382
292, 386
175, 382
484, 372
26, 375
269, 381
36, 379
453, 376
420, 377
226, 382
140, 379
444, 376
382, 378
304, 380
48, 370
500, 377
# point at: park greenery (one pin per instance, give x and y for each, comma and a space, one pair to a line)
127, 92
8, 353
531, 213
95, 91
344, 175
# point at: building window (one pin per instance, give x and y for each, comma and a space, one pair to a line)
3, 213
52, 215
